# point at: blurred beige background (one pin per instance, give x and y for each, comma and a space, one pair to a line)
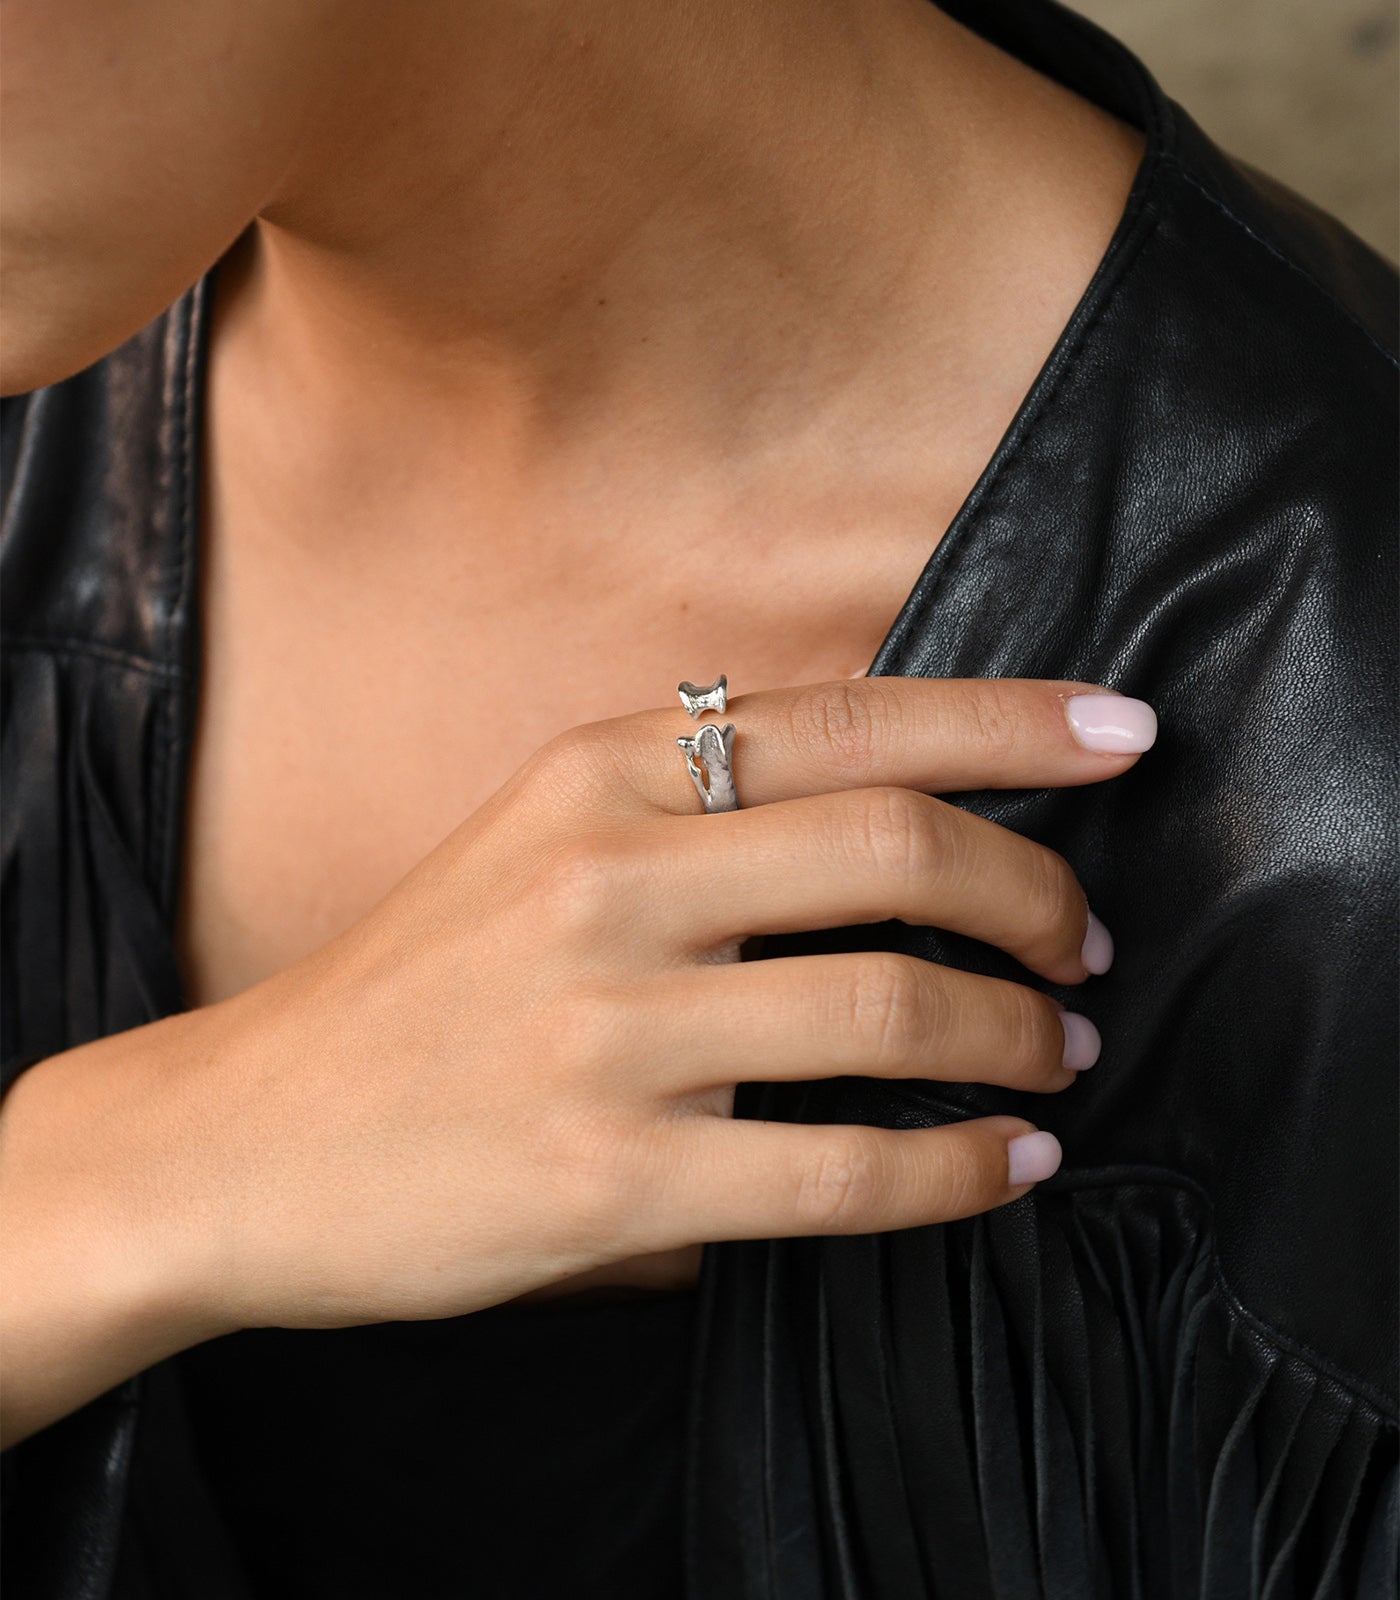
1307, 90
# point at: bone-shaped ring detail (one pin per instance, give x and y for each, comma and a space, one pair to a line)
713, 746
697, 701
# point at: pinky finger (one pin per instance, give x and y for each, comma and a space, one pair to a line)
769, 1180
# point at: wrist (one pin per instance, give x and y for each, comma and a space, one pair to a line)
109, 1258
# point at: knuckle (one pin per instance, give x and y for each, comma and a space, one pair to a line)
590, 1026
556, 755
838, 1191
841, 725
891, 1009
996, 720
585, 878
1055, 900
902, 831
1035, 1041
602, 1182
959, 1179
565, 769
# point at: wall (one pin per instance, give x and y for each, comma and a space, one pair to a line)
1305, 89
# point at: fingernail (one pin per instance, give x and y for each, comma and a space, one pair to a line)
1112, 722
1030, 1157
1097, 954
1082, 1041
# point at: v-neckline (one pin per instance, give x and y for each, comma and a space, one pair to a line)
916, 617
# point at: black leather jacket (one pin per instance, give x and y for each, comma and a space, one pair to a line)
1170, 1371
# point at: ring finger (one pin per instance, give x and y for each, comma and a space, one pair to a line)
869, 1013
865, 855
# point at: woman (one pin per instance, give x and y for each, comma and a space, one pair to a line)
429, 393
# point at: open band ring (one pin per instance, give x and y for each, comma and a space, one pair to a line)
709, 751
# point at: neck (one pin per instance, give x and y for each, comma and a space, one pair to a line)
718, 233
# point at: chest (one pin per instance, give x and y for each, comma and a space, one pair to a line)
354, 710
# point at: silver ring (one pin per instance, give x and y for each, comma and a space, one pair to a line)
709, 752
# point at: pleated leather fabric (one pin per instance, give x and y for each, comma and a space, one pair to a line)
1170, 1371
1057, 1399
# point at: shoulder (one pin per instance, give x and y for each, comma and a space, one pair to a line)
1229, 418
1260, 337
1236, 416
1281, 251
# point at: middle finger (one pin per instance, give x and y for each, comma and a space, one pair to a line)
866, 855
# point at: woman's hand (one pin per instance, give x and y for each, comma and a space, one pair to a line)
520, 1066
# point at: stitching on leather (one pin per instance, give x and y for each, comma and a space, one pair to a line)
984, 496
1326, 294
36, 644
1128, 1174
1160, 133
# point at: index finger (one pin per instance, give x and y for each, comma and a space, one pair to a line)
940, 735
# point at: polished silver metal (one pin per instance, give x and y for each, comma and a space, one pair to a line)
697, 701
708, 756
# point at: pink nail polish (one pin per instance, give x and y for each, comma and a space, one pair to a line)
1031, 1157
1111, 722
1082, 1041
1097, 954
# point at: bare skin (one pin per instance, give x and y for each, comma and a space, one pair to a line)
412, 552
519, 1067
557, 357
